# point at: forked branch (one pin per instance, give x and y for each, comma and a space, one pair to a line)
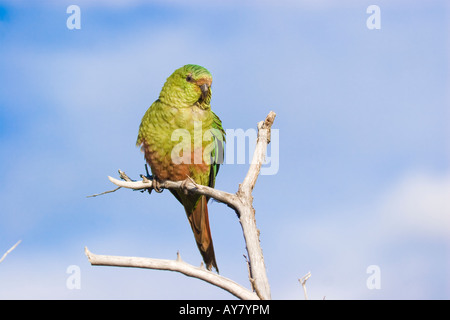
241, 202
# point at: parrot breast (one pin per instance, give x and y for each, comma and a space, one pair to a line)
163, 166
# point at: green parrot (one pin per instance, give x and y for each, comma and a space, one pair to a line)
182, 137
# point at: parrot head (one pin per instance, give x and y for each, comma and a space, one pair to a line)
187, 86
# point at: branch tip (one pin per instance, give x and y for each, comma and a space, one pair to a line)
9, 250
302, 281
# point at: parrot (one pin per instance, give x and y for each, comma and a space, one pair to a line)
183, 112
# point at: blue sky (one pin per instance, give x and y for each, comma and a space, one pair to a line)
364, 149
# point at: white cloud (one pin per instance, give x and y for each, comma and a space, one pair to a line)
419, 203
405, 232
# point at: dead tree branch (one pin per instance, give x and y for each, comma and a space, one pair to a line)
9, 251
302, 281
241, 202
177, 265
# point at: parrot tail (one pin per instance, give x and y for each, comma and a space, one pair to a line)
199, 221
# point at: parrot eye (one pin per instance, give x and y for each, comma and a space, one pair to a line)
189, 78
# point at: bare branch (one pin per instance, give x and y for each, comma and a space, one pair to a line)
123, 176
9, 251
303, 283
264, 128
247, 212
241, 202
177, 265
187, 185
100, 194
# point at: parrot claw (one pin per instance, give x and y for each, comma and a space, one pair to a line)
155, 183
156, 186
183, 186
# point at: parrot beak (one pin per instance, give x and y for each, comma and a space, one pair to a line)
205, 89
